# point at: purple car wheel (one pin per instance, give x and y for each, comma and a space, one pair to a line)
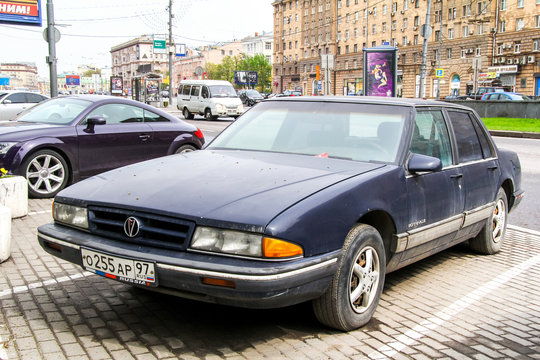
46, 172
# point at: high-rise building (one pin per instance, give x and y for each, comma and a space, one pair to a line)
500, 39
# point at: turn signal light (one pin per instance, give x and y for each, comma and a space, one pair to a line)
274, 248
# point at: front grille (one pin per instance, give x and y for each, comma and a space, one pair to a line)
154, 230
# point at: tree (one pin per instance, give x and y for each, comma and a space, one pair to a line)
89, 73
258, 63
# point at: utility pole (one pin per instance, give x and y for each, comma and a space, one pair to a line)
171, 49
425, 33
51, 59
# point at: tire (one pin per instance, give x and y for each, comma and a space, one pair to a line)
185, 149
208, 115
187, 114
356, 288
490, 238
46, 172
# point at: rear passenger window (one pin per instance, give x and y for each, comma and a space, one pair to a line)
187, 90
153, 117
468, 143
195, 90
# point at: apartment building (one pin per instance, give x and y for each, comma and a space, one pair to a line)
22, 75
476, 43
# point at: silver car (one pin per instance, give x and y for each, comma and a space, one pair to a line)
13, 102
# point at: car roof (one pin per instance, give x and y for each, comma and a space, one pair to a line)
371, 100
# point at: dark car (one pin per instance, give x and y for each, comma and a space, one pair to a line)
250, 97
64, 140
289, 93
302, 199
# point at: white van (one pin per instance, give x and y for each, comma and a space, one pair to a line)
211, 98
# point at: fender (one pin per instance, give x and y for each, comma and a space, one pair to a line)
185, 139
50, 143
511, 172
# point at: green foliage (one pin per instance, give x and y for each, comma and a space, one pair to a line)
512, 124
89, 73
225, 70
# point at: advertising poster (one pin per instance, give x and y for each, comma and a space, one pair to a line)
380, 72
116, 85
20, 12
73, 80
246, 77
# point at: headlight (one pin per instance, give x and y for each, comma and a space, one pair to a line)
220, 107
70, 215
241, 243
5, 146
240, 108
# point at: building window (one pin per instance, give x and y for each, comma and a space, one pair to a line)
415, 40
417, 20
383, 27
536, 45
480, 29
347, 49
537, 21
482, 7
502, 26
465, 32
384, 9
403, 59
449, 53
463, 53
355, 49
503, 5
405, 4
478, 51
500, 49
394, 24
374, 29
373, 43
346, 64
520, 3
517, 48
450, 33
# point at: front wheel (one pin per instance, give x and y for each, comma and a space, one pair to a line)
356, 288
490, 238
46, 172
208, 115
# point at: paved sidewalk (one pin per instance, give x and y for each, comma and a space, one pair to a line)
454, 305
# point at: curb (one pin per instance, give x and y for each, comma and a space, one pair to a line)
515, 134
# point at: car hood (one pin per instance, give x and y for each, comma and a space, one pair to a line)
212, 187
8, 127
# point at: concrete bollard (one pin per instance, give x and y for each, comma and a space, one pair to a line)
5, 233
14, 195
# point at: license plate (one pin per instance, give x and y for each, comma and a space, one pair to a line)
120, 268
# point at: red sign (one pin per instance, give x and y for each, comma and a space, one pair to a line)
20, 7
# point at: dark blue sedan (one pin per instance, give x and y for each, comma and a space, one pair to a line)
64, 140
301, 199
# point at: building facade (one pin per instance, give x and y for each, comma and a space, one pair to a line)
21, 75
474, 43
136, 57
259, 44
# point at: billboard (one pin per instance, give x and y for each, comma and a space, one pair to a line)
246, 77
380, 69
73, 80
20, 12
117, 85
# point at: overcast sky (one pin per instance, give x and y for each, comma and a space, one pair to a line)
90, 28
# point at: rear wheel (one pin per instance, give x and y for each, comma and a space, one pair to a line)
46, 172
187, 114
356, 288
184, 149
490, 238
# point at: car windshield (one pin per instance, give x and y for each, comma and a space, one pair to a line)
58, 111
355, 131
520, 97
253, 93
222, 91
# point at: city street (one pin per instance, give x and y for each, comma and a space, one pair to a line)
453, 305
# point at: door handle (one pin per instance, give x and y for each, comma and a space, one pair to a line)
456, 176
144, 137
494, 167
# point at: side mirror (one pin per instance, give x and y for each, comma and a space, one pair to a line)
423, 164
7, 101
92, 121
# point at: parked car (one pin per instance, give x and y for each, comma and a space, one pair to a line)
301, 199
13, 102
250, 97
211, 98
481, 91
289, 93
64, 140
504, 96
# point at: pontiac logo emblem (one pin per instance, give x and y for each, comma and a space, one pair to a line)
131, 227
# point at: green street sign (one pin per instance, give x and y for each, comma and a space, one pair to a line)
160, 46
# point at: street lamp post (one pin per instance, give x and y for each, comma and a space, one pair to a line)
51, 59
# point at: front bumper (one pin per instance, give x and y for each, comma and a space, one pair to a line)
257, 284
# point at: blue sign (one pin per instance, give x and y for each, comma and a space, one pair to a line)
4, 81
74, 80
439, 73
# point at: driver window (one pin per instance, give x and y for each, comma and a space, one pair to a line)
118, 113
204, 92
430, 136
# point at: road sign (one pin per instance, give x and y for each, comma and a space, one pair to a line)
439, 73
160, 46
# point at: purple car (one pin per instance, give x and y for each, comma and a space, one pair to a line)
64, 140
